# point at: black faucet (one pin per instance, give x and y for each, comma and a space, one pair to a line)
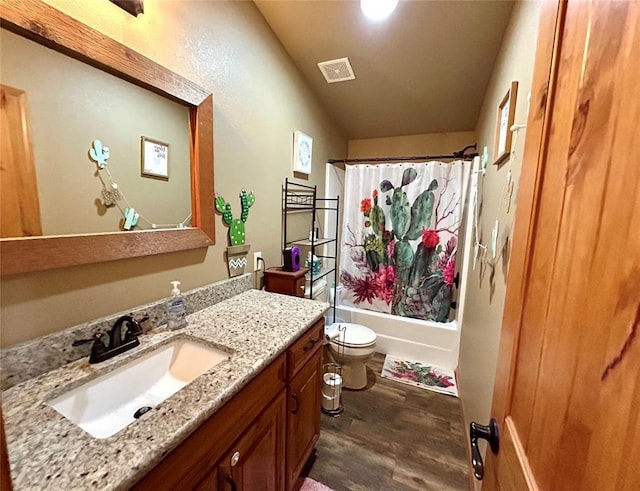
131, 334
117, 344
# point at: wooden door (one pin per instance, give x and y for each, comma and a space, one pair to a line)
19, 202
256, 461
567, 394
303, 417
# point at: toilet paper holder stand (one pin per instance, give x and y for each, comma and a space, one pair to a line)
332, 378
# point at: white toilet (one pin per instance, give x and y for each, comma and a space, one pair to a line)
352, 349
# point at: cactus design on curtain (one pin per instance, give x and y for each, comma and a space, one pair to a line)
400, 238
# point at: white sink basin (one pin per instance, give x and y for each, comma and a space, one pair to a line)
108, 403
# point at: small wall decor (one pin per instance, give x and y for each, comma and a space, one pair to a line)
134, 7
237, 250
155, 158
506, 115
112, 195
302, 148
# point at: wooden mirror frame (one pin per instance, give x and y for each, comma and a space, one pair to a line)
45, 25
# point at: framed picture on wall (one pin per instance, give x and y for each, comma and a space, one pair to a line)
506, 115
302, 149
154, 161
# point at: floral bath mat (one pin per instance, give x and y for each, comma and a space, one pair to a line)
420, 375
311, 485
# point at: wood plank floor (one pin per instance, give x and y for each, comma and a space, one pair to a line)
393, 436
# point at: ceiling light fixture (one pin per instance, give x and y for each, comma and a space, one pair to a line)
378, 9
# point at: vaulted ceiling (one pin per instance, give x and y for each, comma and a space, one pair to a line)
425, 69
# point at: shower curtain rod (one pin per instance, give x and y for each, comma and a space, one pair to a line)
455, 155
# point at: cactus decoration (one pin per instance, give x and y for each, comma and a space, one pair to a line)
236, 225
406, 266
99, 154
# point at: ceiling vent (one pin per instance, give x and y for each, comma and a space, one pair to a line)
337, 70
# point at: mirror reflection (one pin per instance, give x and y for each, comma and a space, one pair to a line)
61, 106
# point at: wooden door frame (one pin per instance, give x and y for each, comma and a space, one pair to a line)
543, 92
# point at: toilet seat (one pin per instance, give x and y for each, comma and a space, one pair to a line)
353, 336
355, 340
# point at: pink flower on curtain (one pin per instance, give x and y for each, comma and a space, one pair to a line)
391, 248
430, 238
449, 272
384, 281
365, 206
364, 289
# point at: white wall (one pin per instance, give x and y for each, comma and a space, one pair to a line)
486, 285
406, 145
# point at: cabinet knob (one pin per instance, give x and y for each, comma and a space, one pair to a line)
235, 458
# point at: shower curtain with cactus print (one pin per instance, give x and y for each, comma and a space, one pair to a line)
399, 237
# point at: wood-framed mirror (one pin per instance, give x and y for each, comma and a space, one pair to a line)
47, 26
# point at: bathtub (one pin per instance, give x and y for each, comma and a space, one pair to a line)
418, 340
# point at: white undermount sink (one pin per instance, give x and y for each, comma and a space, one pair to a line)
106, 404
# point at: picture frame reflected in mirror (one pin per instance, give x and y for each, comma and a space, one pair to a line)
154, 161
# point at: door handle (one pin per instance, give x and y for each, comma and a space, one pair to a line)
489, 433
295, 409
231, 483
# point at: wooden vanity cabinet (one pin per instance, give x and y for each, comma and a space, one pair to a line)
303, 415
5, 472
194, 463
262, 438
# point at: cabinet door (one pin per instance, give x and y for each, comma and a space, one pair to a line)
209, 483
256, 460
303, 416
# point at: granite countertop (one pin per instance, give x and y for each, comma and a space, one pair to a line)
48, 451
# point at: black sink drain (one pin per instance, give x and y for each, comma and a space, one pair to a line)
141, 411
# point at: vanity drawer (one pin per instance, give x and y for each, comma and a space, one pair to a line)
304, 348
299, 287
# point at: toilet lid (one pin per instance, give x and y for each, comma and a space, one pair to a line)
354, 334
